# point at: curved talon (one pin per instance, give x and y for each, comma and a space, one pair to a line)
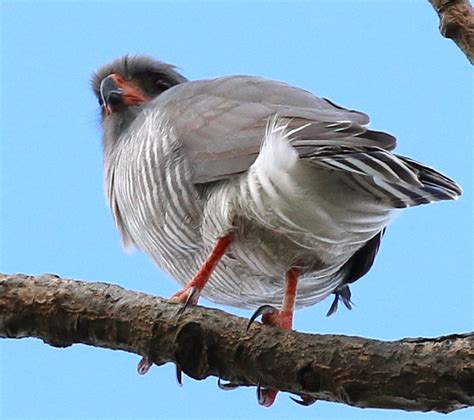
305, 400
191, 299
259, 394
347, 303
264, 309
229, 386
266, 396
179, 376
341, 295
144, 365
333, 308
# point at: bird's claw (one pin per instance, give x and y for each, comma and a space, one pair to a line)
304, 400
266, 396
229, 386
343, 295
179, 375
144, 365
264, 309
333, 308
191, 298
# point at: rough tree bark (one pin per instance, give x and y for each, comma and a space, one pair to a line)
419, 374
456, 21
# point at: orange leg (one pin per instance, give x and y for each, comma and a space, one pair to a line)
282, 318
190, 293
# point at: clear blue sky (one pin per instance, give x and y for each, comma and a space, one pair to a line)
383, 57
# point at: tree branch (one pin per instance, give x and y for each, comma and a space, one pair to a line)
456, 21
419, 374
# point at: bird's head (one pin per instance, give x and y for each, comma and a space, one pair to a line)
125, 87
130, 82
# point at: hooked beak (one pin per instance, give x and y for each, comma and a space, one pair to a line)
110, 93
116, 92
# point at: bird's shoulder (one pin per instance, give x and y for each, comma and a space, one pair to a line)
256, 90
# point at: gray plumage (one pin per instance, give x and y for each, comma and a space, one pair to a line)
301, 181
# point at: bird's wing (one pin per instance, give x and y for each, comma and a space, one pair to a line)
221, 123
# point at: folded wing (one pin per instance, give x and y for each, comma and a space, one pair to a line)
221, 123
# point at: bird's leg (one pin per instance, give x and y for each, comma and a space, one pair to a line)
282, 318
190, 293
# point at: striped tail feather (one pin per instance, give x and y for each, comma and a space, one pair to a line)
442, 187
398, 180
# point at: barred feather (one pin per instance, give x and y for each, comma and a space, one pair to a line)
297, 179
398, 180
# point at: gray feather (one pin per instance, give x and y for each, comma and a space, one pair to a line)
221, 122
297, 179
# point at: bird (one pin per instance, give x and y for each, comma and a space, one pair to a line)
250, 192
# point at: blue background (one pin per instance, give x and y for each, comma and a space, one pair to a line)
386, 58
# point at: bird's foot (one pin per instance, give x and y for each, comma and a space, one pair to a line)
187, 296
226, 386
191, 292
280, 318
144, 365
304, 400
272, 316
266, 396
179, 376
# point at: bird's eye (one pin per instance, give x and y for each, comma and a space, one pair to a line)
101, 102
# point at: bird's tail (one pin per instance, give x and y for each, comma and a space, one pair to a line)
397, 180
435, 186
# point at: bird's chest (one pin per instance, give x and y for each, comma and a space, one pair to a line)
155, 200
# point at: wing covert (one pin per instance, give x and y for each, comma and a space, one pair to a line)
221, 123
